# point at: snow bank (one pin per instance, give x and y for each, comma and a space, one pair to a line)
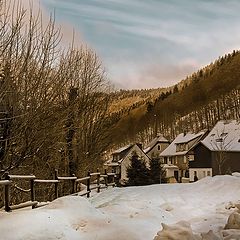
236, 174
64, 218
181, 230
132, 213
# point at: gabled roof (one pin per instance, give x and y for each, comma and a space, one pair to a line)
181, 138
124, 151
156, 140
225, 136
188, 137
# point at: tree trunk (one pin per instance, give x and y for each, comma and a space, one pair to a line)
71, 131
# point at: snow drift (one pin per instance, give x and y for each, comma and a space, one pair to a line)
133, 213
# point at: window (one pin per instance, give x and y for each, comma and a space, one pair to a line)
180, 147
219, 140
116, 157
208, 173
204, 173
159, 147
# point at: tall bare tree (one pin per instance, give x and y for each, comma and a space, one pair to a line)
43, 125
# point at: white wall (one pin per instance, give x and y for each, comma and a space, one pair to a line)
155, 152
201, 173
170, 172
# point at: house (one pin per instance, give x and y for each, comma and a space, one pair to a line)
121, 159
178, 152
171, 171
218, 153
156, 146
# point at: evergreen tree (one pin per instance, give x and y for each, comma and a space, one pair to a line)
156, 172
175, 89
137, 172
149, 106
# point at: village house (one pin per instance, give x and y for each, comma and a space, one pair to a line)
218, 153
177, 155
156, 146
121, 160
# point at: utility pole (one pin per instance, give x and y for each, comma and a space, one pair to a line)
155, 125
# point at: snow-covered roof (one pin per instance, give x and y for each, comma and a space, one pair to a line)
147, 149
181, 138
111, 164
185, 138
225, 136
122, 153
169, 166
122, 149
159, 138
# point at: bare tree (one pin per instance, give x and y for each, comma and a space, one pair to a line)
221, 144
43, 126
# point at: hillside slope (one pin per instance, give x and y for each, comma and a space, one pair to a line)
195, 103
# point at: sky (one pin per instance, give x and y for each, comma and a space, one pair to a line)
151, 43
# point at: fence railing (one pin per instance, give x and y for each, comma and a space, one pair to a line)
92, 181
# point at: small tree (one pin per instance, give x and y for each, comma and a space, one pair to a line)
137, 172
156, 172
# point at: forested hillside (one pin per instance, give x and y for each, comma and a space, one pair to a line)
195, 103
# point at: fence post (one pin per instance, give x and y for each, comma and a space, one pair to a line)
98, 181
88, 184
73, 184
56, 184
106, 177
113, 178
7, 194
32, 192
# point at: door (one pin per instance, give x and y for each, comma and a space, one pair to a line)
176, 175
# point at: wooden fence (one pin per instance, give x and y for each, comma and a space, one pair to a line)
75, 189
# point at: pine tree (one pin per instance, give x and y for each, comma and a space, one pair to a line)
156, 172
137, 172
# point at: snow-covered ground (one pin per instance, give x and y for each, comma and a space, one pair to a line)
132, 213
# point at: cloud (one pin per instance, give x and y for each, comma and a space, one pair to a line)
154, 75
151, 43
36, 6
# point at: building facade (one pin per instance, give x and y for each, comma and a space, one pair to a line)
179, 153
218, 153
121, 160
